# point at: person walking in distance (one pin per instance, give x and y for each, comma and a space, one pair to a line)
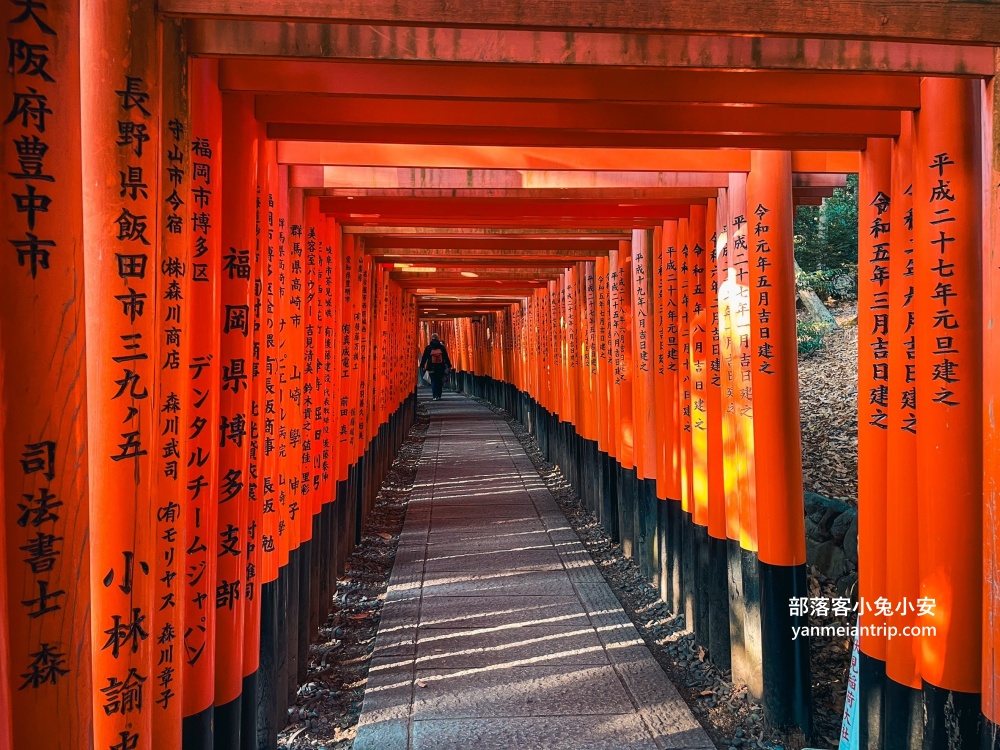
435, 361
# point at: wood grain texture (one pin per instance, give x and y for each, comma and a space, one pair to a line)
932, 20
304, 40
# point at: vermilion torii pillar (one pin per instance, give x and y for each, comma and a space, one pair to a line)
744, 569
668, 416
717, 591
173, 405
645, 391
780, 515
947, 235
874, 315
201, 498
269, 693
991, 439
239, 179
120, 125
697, 405
903, 701
45, 406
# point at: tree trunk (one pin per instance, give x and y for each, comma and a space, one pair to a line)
814, 305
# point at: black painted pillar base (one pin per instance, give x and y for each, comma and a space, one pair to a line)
343, 527
196, 730
991, 735
689, 578
305, 592
718, 603
626, 510
648, 547
609, 491
871, 698
702, 585
952, 719
904, 716
787, 690
316, 570
752, 627
267, 674
663, 549
675, 528
249, 713
737, 612
228, 721
281, 649
359, 500
292, 628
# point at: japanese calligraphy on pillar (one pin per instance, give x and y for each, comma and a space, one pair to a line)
640, 274
907, 398
268, 387
200, 507
877, 250
740, 309
763, 289
172, 393
698, 323
946, 356
45, 425
122, 204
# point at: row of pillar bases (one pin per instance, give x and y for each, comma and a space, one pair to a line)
575, 376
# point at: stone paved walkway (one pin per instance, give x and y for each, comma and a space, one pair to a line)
498, 630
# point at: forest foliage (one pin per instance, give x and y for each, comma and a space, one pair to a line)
826, 244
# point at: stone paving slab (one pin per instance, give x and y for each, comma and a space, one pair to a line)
498, 630
545, 645
499, 583
518, 691
618, 732
510, 611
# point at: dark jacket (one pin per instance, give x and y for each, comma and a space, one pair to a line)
425, 361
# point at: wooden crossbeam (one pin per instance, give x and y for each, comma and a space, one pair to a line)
960, 21
320, 180
550, 83
495, 157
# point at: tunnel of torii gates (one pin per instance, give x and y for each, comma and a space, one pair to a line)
229, 228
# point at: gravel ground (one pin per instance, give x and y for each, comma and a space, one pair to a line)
329, 703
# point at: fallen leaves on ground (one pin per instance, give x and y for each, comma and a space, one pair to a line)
828, 407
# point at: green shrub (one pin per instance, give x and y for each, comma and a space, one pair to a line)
810, 336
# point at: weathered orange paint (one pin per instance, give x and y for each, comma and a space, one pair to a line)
173, 405
605, 365
121, 233
949, 430
902, 581
740, 311
781, 519
239, 180
671, 415
685, 380
44, 398
715, 231
626, 377
202, 462
874, 197
644, 356
698, 357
